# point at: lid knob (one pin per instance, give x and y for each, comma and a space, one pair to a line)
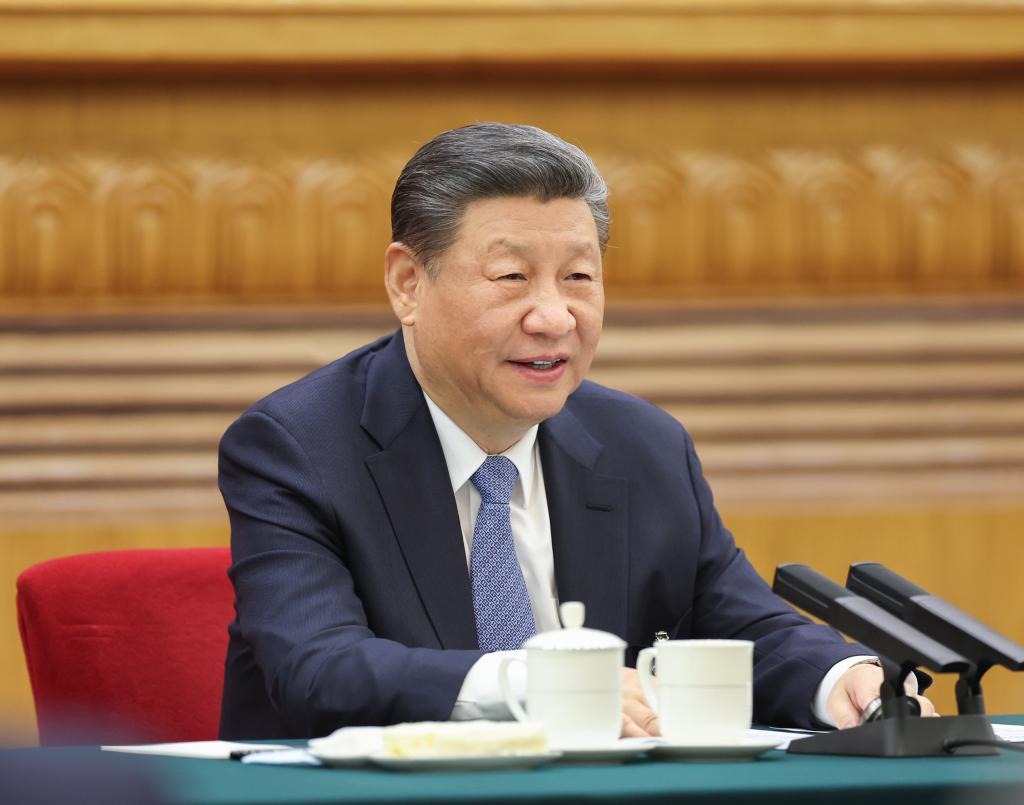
572, 614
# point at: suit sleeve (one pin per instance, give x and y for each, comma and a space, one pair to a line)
298, 610
791, 654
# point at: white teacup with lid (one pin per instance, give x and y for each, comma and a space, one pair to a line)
573, 683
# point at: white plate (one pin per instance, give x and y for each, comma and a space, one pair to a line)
745, 750
465, 763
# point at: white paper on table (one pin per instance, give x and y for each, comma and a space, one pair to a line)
211, 750
1009, 732
286, 757
782, 736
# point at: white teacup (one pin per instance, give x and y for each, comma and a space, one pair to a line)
573, 683
704, 692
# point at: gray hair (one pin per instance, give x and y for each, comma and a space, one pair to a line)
481, 161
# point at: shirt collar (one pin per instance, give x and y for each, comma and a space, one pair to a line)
464, 456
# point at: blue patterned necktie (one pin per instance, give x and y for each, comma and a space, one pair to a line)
501, 604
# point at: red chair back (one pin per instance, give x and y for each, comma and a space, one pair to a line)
127, 646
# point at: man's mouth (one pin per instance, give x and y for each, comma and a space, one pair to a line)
541, 363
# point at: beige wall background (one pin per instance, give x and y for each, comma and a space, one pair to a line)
817, 256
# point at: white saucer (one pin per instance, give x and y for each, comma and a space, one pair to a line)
465, 763
339, 758
742, 750
618, 752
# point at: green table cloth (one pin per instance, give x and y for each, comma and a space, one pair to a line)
774, 778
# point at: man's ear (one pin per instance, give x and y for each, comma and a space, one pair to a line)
403, 272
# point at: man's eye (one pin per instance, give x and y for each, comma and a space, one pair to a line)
579, 275
513, 276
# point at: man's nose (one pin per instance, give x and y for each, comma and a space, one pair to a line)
549, 314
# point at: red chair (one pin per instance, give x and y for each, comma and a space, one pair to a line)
127, 646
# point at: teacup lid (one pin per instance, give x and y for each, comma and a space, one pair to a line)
573, 636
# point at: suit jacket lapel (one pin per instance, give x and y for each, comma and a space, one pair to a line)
410, 475
588, 523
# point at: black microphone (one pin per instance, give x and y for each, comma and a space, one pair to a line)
942, 621
900, 647
866, 622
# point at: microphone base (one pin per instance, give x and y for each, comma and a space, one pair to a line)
902, 737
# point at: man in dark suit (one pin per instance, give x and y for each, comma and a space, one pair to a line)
378, 573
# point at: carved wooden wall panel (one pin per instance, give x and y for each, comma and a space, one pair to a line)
876, 218
245, 151
107, 227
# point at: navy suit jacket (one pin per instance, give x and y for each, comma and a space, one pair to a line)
352, 591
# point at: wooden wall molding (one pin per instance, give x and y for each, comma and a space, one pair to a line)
118, 419
878, 218
874, 218
508, 32
102, 226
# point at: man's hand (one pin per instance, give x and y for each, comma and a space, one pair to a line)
858, 687
638, 719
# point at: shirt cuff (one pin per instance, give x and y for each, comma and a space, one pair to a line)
481, 696
819, 708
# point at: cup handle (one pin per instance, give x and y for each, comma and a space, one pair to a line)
506, 688
644, 661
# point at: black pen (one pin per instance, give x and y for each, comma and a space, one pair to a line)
238, 754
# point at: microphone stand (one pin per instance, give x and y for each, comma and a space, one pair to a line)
900, 732
970, 701
943, 621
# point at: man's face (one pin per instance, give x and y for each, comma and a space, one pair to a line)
508, 328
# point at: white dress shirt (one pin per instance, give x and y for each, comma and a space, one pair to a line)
480, 695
